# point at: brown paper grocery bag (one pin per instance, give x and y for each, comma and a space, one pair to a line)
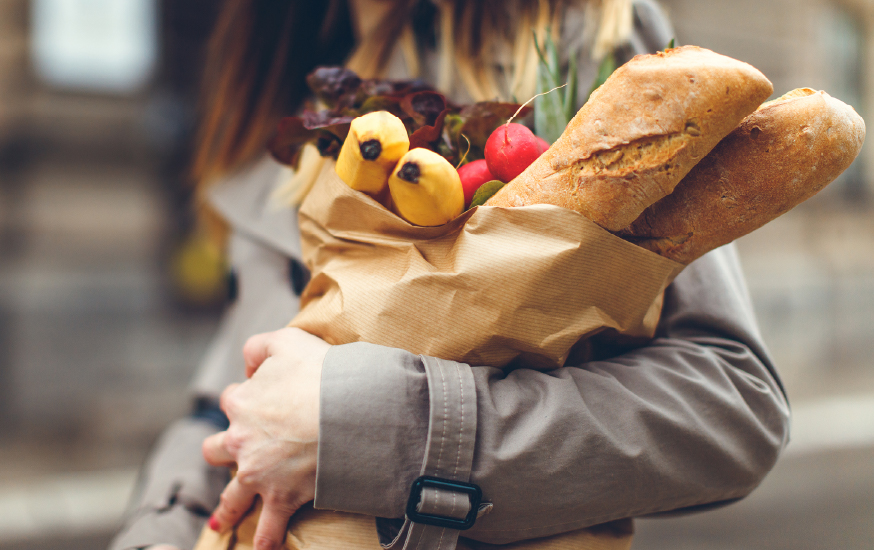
494, 285
491, 287
311, 529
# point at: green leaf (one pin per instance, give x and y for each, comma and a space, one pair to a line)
671, 44
485, 192
541, 53
380, 103
549, 113
554, 65
608, 65
549, 110
570, 93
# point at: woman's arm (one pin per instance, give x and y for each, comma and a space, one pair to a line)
696, 417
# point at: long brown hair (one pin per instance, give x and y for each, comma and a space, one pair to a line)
251, 77
262, 50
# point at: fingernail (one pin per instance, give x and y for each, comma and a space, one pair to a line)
214, 524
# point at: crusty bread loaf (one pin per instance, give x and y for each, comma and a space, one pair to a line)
639, 134
779, 156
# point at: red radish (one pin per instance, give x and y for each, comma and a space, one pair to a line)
473, 175
544, 145
510, 149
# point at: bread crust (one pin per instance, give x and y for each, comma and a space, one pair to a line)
640, 134
778, 157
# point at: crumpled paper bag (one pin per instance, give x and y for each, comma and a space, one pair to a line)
311, 529
493, 286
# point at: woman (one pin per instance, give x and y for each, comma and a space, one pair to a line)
695, 418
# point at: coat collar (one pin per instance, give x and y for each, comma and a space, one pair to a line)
245, 200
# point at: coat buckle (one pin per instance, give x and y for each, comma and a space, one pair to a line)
474, 493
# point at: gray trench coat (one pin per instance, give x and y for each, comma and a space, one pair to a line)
694, 419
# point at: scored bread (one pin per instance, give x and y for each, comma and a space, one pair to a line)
778, 157
640, 134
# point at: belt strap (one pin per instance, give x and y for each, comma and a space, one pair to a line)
448, 454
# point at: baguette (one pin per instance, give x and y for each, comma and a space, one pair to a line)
778, 157
640, 134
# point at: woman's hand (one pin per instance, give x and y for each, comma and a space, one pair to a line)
273, 433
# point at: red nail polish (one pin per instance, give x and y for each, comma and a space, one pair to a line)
214, 524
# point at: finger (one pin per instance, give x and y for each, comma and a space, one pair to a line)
256, 351
233, 504
225, 397
216, 452
272, 526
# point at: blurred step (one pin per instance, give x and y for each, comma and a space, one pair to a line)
64, 506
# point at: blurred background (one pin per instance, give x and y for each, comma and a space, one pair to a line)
108, 299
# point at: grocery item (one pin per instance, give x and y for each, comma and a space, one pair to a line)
375, 143
510, 149
778, 157
639, 134
473, 175
425, 189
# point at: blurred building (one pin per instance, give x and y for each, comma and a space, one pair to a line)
97, 103
821, 44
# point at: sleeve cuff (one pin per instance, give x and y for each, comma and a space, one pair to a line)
373, 427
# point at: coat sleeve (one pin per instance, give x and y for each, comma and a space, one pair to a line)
695, 417
177, 490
